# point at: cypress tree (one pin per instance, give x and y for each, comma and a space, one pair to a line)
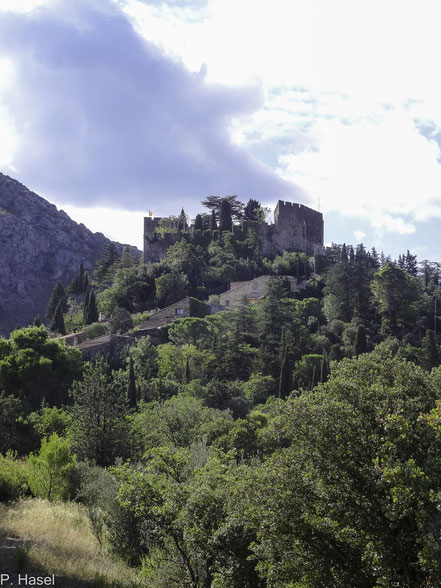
91, 311
198, 226
225, 218
283, 377
86, 283
77, 284
131, 388
57, 323
86, 306
430, 353
182, 224
360, 345
187, 370
213, 224
58, 295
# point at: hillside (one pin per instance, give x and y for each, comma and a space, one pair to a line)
38, 245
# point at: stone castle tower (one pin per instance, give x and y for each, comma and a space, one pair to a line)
296, 226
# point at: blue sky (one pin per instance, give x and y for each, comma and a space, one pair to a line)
111, 108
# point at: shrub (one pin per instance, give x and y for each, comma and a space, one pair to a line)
95, 330
50, 472
13, 477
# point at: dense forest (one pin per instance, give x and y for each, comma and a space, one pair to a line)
292, 442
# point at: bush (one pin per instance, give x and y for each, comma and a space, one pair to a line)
95, 330
13, 477
51, 471
110, 522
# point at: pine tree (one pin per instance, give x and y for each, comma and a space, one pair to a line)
127, 259
58, 295
106, 265
57, 323
411, 264
131, 388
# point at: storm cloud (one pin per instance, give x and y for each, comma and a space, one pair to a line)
104, 117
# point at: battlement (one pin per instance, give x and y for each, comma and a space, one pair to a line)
296, 226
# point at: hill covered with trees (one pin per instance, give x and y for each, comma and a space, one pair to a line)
289, 442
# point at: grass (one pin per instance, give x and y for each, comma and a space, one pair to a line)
58, 540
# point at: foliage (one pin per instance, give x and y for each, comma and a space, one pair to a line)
13, 477
58, 295
95, 330
352, 499
98, 429
34, 367
50, 472
121, 320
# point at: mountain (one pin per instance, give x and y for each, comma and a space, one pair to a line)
38, 246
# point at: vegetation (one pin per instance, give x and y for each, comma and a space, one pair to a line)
292, 442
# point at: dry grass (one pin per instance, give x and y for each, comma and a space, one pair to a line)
59, 541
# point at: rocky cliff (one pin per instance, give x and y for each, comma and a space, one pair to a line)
38, 246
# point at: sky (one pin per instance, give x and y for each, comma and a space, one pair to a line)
112, 108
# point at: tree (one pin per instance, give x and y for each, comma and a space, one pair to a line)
58, 295
34, 367
182, 223
396, 294
254, 211
57, 323
106, 265
131, 387
170, 288
225, 216
213, 224
350, 499
360, 345
50, 470
430, 352
91, 310
37, 321
198, 226
192, 330
86, 305
214, 204
98, 429
121, 320
77, 284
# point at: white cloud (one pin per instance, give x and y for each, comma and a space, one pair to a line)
329, 70
119, 225
383, 170
359, 235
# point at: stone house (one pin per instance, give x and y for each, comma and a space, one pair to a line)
251, 290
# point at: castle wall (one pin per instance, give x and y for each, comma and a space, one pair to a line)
296, 226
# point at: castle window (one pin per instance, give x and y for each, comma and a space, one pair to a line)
227, 303
179, 311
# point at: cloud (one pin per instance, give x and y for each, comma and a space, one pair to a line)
104, 117
379, 168
359, 235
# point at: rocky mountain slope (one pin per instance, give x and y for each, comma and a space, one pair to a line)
38, 245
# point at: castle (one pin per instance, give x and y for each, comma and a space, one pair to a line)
295, 226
